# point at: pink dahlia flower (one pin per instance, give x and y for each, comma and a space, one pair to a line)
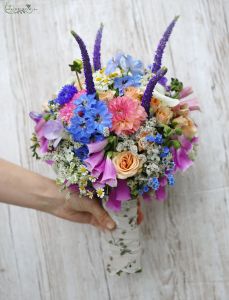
127, 115
66, 112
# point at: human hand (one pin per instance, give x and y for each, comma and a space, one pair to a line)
24, 188
80, 210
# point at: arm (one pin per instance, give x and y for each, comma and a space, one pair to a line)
21, 187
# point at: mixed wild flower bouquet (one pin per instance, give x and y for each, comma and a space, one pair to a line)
118, 133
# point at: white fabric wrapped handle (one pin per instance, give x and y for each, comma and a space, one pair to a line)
122, 246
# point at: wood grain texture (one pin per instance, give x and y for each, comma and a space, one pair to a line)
186, 239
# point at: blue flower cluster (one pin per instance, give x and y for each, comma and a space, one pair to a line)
66, 94
153, 183
165, 152
91, 117
171, 179
126, 62
82, 152
154, 139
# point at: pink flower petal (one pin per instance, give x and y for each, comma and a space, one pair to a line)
97, 147
186, 92
193, 104
98, 169
94, 160
109, 173
123, 191
183, 161
161, 194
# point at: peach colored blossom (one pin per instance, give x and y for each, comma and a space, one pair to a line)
127, 164
106, 95
133, 93
164, 114
155, 104
187, 126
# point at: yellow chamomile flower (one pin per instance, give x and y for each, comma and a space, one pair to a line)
100, 192
83, 170
90, 194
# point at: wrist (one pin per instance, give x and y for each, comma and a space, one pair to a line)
48, 196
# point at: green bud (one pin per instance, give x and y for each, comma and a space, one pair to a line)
176, 144
76, 66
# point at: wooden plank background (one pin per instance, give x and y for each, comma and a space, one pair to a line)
186, 239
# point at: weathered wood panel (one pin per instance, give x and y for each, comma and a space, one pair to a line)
186, 239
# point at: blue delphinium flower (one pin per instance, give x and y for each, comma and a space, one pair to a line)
81, 129
121, 83
66, 94
91, 117
154, 183
113, 63
165, 152
126, 62
82, 152
171, 179
102, 117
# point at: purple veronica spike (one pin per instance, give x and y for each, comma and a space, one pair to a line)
90, 87
150, 87
97, 47
161, 46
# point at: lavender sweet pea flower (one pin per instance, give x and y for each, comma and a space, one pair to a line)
35, 116
53, 129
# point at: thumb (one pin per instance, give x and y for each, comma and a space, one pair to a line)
102, 216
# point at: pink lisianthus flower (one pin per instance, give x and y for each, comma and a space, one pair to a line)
66, 112
127, 115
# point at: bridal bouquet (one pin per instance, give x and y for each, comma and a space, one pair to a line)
118, 133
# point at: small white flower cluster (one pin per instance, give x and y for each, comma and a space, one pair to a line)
103, 81
69, 168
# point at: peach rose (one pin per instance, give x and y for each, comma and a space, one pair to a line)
133, 93
106, 96
164, 114
187, 126
127, 164
155, 104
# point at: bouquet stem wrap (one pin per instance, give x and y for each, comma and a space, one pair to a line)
122, 246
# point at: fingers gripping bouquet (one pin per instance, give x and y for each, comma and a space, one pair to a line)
118, 133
